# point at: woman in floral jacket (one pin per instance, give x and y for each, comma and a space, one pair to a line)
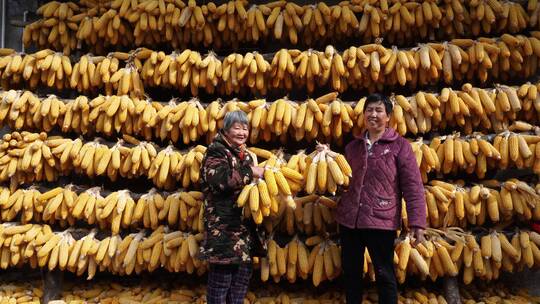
227, 167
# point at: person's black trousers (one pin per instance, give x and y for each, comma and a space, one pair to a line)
380, 244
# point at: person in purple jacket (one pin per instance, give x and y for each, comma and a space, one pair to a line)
384, 170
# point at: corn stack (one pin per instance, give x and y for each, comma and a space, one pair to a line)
313, 215
426, 158
426, 64
264, 196
113, 211
39, 246
35, 157
326, 170
108, 291
294, 260
489, 110
447, 204
457, 205
119, 23
443, 254
32, 156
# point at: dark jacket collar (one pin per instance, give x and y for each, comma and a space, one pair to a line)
389, 135
222, 139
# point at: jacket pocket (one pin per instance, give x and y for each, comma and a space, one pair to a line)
384, 207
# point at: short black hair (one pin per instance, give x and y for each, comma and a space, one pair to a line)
375, 98
233, 117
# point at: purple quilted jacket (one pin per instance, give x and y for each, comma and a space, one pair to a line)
380, 179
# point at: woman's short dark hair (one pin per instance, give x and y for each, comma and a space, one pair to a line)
376, 98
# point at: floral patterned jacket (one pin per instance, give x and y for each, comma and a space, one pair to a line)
225, 171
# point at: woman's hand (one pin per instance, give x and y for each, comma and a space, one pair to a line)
257, 171
417, 235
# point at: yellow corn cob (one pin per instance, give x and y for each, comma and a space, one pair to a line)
243, 196
254, 199
270, 179
282, 183
321, 172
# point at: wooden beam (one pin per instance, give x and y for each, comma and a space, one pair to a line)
451, 290
53, 282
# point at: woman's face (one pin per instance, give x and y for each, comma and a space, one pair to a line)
237, 134
375, 117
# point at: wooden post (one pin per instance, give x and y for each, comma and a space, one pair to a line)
52, 285
451, 290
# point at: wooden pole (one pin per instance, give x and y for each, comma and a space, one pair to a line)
451, 290
53, 282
